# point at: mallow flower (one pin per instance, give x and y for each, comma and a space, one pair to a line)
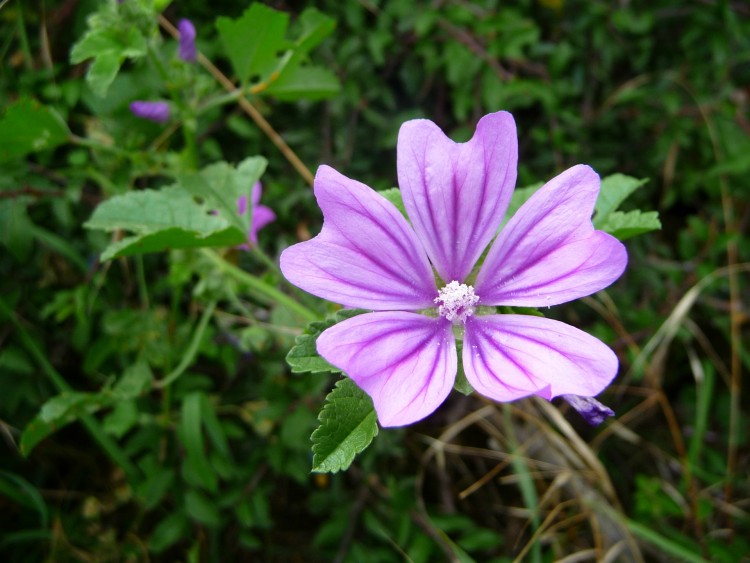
262, 215
421, 279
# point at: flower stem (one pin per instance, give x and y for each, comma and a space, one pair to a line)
192, 350
260, 286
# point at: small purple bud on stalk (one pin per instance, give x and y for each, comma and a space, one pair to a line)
153, 111
188, 52
590, 409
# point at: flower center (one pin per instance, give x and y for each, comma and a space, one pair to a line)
456, 302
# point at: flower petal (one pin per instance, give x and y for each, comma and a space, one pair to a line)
457, 193
256, 192
506, 357
405, 361
590, 409
365, 256
549, 252
262, 216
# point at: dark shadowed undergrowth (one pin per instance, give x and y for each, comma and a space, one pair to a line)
147, 412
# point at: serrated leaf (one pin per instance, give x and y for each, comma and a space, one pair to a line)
614, 190
220, 185
200, 211
348, 424
109, 47
27, 126
305, 83
165, 219
304, 357
125, 42
253, 41
625, 225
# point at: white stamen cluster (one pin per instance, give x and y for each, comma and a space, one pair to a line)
456, 302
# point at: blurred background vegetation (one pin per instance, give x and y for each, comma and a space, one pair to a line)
216, 466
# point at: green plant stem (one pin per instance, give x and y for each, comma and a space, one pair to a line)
260, 286
189, 127
190, 353
111, 447
142, 285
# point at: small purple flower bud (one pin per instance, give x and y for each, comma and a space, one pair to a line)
153, 111
589, 408
187, 41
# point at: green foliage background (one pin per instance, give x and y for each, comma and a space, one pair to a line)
176, 431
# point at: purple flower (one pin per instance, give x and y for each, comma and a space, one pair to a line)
153, 111
367, 255
187, 40
262, 215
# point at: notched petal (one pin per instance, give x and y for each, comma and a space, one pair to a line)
405, 361
365, 256
457, 193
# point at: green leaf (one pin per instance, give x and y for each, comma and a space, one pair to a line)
135, 380
27, 126
614, 190
16, 228
394, 196
109, 46
199, 211
220, 185
103, 72
165, 219
316, 26
520, 196
168, 532
125, 42
304, 357
24, 493
58, 412
253, 40
122, 418
348, 424
305, 83
201, 509
191, 435
626, 225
